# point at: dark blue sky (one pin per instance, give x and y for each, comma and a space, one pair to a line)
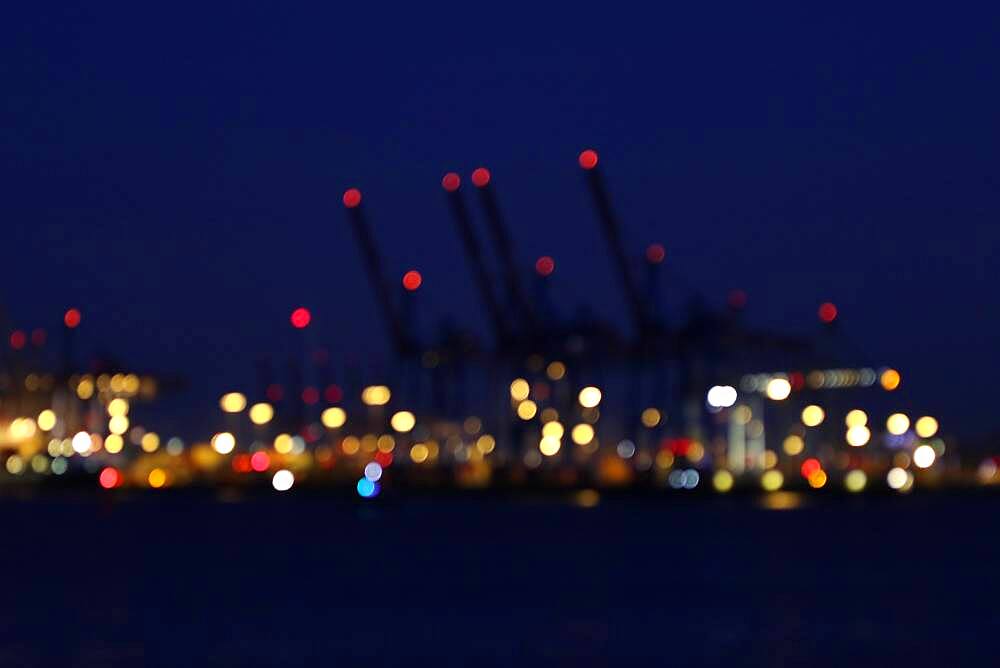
176, 172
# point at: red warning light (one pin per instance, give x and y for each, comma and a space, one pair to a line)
588, 159
352, 198
18, 339
333, 394
655, 253
481, 177
301, 317
545, 265
827, 312
810, 466
737, 299
412, 280
109, 477
310, 396
72, 318
451, 182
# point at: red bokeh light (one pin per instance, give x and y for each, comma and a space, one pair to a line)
737, 299
241, 463
333, 394
352, 198
275, 392
38, 338
810, 466
18, 339
655, 253
588, 159
383, 458
797, 380
545, 265
480, 177
451, 182
72, 318
412, 280
109, 477
310, 396
827, 312
260, 461
301, 317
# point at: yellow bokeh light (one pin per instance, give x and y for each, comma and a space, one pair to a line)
772, 480
46, 420
555, 370
403, 421
376, 395
778, 389
553, 429
925, 426
223, 443
651, 417
350, 445
897, 424
896, 478
890, 379
589, 397
582, 434
85, 389
486, 444
114, 444
118, 424
770, 459
812, 416
519, 389
527, 409
150, 442
856, 418
695, 452
385, 443
261, 413
157, 478
549, 445
855, 480
233, 402
817, 478
117, 406
722, 481
858, 435
793, 445
283, 444
334, 417
664, 459
419, 453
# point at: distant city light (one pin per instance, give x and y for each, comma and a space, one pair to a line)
812, 416
925, 426
897, 424
223, 443
924, 456
403, 421
589, 397
282, 480
890, 379
858, 435
721, 396
778, 389
261, 413
856, 418
855, 480
334, 417
233, 402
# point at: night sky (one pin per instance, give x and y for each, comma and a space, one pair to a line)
176, 172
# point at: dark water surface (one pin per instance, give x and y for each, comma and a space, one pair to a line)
187, 578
